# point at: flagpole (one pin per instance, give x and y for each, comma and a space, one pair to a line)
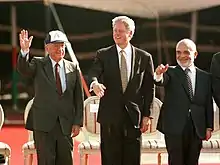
14, 57
69, 49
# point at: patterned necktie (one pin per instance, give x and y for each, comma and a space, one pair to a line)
123, 70
58, 81
189, 83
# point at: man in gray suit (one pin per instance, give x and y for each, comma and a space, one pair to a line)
57, 111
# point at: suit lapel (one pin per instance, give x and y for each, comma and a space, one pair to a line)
197, 85
115, 68
68, 70
135, 66
48, 69
135, 58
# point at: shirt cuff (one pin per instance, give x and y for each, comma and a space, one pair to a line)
24, 53
158, 78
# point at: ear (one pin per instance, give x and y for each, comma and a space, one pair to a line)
195, 54
130, 33
47, 48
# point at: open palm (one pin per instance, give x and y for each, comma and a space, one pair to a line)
25, 42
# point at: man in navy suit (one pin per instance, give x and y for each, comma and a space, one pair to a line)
122, 76
186, 116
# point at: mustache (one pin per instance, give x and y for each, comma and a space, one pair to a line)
183, 58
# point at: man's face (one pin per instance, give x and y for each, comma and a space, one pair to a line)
56, 51
185, 55
121, 35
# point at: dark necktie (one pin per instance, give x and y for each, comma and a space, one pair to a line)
189, 83
123, 70
58, 81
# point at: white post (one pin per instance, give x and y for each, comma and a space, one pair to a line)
193, 33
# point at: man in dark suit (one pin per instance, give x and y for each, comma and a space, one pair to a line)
215, 71
122, 76
186, 117
57, 110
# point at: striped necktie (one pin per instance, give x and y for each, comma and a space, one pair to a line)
189, 82
58, 80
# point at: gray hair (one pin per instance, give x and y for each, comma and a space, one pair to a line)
187, 42
128, 22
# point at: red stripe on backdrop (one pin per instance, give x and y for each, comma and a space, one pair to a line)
85, 87
14, 57
14, 77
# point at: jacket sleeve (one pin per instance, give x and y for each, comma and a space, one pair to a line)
215, 71
96, 70
209, 109
24, 67
164, 80
148, 87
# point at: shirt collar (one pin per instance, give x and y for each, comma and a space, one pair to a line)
127, 49
192, 68
54, 62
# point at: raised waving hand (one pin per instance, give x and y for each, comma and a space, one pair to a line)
25, 42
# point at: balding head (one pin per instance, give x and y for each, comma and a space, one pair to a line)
188, 43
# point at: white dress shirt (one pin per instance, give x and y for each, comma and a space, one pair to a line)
128, 52
61, 71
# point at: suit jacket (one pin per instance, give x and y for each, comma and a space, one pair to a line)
48, 106
175, 109
138, 96
215, 70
